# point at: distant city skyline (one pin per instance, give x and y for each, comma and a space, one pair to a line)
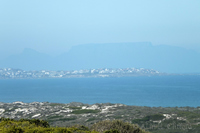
53, 27
9, 73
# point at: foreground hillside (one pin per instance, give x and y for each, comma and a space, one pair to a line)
153, 119
40, 126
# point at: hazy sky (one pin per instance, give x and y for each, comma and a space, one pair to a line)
52, 26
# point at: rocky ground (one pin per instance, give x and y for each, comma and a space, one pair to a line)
154, 119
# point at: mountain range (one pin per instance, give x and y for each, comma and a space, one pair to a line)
163, 58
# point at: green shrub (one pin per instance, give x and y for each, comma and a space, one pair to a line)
122, 127
189, 115
37, 122
91, 119
85, 111
154, 117
40, 126
75, 107
112, 131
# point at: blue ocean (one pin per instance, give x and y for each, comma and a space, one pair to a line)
153, 91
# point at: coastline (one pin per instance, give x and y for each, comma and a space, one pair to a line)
59, 114
154, 119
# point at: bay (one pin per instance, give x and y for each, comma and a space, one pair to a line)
154, 91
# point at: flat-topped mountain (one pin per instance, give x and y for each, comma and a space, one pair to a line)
163, 58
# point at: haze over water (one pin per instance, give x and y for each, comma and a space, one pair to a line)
74, 35
165, 91
53, 27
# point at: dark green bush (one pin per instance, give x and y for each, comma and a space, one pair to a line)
122, 127
84, 111
155, 117
112, 131
75, 107
40, 126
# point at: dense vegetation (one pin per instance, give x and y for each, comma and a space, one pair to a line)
85, 111
41, 126
152, 119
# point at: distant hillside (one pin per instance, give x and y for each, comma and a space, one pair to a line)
29, 59
113, 55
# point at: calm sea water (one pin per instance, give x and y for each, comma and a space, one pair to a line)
141, 91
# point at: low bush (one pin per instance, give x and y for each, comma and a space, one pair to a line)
84, 111
116, 125
154, 117
40, 126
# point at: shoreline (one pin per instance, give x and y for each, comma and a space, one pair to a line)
81, 103
59, 114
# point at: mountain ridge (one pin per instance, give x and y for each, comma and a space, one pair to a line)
163, 58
